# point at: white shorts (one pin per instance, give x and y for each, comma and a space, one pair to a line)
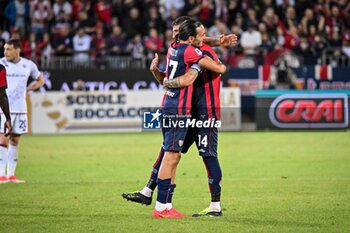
19, 123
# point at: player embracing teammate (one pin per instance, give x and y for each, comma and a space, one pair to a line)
205, 101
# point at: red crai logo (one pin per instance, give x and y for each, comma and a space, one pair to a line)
310, 111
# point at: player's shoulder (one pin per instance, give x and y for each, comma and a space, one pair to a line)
193, 49
174, 44
3, 61
27, 61
207, 50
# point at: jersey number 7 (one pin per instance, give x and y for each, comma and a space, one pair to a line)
172, 64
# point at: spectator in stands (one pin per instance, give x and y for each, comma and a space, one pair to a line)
306, 51
103, 9
17, 13
81, 46
62, 43
45, 50
32, 52
85, 22
116, 42
60, 22
270, 20
41, 14
133, 25
346, 43
153, 20
206, 14
169, 5
98, 43
62, 7
288, 39
26, 50
233, 9
136, 48
77, 6
290, 18
168, 38
252, 19
153, 43
319, 45
99, 48
218, 29
251, 40
191, 8
335, 40
221, 11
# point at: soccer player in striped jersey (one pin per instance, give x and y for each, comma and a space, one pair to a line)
145, 195
18, 71
205, 106
176, 108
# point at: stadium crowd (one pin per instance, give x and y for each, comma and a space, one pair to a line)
138, 28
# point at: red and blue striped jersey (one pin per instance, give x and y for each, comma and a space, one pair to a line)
206, 93
180, 58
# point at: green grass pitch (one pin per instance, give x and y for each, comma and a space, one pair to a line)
272, 182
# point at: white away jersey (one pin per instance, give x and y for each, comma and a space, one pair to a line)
17, 75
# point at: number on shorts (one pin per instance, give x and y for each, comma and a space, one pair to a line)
22, 124
203, 141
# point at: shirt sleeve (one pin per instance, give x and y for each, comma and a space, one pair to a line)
34, 71
3, 80
192, 55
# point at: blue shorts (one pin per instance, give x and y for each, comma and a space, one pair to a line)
174, 131
206, 139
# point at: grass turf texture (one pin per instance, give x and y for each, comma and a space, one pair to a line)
272, 182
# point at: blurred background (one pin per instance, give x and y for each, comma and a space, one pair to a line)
297, 49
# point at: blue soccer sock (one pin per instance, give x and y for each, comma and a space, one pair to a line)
169, 204
152, 182
214, 177
163, 193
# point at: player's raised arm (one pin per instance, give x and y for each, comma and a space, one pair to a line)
209, 64
159, 75
224, 40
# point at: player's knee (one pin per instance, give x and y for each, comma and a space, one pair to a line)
171, 159
14, 140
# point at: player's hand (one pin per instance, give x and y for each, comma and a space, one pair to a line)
228, 40
7, 128
154, 62
165, 80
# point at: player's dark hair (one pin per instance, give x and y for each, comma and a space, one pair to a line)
180, 20
187, 29
15, 42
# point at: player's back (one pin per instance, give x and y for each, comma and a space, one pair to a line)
180, 59
206, 92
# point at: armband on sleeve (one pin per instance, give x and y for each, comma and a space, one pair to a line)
196, 67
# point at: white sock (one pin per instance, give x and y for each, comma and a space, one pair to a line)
215, 206
169, 206
12, 160
3, 160
146, 191
160, 206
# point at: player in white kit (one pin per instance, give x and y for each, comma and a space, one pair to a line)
18, 71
